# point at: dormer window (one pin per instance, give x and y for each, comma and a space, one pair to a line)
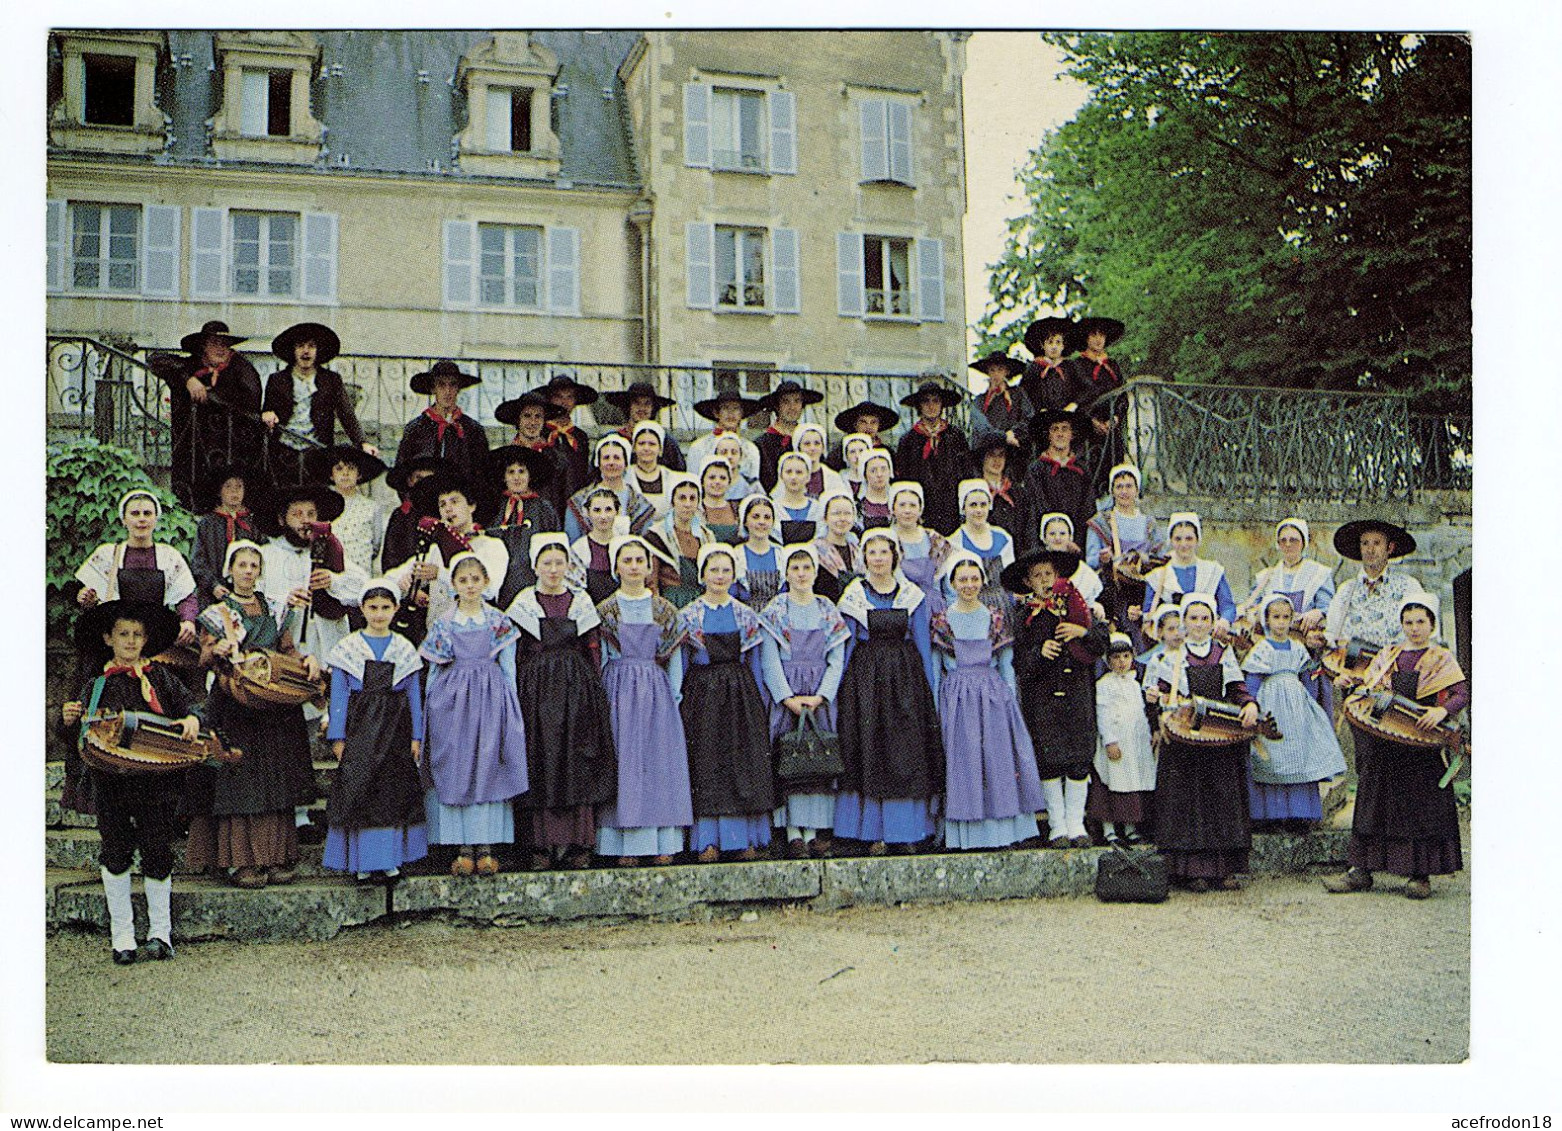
107, 98
110, 90
268, 103
509, 85
510, 119
265, 113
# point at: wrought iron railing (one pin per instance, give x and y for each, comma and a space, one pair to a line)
1444, 452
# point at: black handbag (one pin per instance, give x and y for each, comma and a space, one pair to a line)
1138, 877
807, 754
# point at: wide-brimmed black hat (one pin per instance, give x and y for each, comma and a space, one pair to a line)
540, 464
1042, 422
1037, 333
216, 328
425, 495
509, 412
622, 398
584, 394
424, 382
992, 442
318, 463
328, 504
1111, 327
1016, 575
208, 490
846, 421
773, 398
1347, 539
327, 344
946, 393
161, 624
396, 479
1012, 366
707, 408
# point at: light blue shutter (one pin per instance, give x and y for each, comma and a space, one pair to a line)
899, 142
208, 235
783, 131
460, 263
564, 270
319, 257
875, 140
160, 251
700, 263
54, 238
930, 280
254, 104
848, 274
696, 125
788, 292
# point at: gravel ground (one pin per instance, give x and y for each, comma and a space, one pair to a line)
1279, 973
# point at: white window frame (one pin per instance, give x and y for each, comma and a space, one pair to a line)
776, 130
742, 239
888, 296
727, 103
510, 279
255, 102
103, 260
558, 268
781, 276
266, 246
499, 118
157, 250
924, 276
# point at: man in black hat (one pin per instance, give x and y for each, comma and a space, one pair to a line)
304, 399
303, 566
727, 410
864, 418
641, 402
1004, 407
401, 525
529, 414
786, 401
1046, 380
442, 429
934, 454
571, 444
1367, 606
1095, 375
214, 406
1055, 480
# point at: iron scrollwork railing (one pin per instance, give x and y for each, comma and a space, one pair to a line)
1227, 440
1444, 452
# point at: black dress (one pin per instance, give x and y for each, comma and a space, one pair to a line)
1058, 696
728, 733
376, 785
1404, 823
772, 445
891, 742
1203, 824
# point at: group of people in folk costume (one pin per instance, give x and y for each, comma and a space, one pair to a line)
585, 649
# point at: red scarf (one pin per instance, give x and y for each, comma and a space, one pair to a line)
930, 447
441, 423
235, 521
786, 440
137, 669
1103, 362
1008, 401
212, 371
1053, 466
515, 505
1002, 491
535, 445
565, 431
1049, 366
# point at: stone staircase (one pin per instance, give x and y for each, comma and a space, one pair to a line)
320, 904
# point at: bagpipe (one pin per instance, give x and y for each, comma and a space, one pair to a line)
137, 742
431, 532
1214, 722
325, 552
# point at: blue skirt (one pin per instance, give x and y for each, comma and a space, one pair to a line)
374, 850
1285, 802
993, 832
664, 841
730, 834
487, 822
902, 820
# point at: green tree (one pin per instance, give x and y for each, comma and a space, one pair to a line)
1259, 209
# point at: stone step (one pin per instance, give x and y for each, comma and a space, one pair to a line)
56, 816
54, 775
78, 848
319, 908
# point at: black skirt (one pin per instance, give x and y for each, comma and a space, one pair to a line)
276, 772
1403, 823
728, 733
376, 786
891, 743
1201, 800
570, 756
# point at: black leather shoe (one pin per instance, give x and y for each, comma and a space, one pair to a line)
158, 950
124, 957
1133, 838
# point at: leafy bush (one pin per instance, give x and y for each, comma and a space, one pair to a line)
85, 482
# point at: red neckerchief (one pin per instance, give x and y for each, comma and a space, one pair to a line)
774, 431
991, 393
212, 371
1097, 365
516, 505
1047, 366
565, 431
930, 447
441, 423
234, 521
1002, 491
726, 431
1053, 466
406, 506
137, 669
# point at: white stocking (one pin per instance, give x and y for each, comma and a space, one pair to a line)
159, 918
121, 919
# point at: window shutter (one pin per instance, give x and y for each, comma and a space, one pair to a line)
54, 237
319, 257
783, 131
208, 236
930, 280
700, 263
787, 298
875, 156
255, 103
900, 142
696, 125
497, 119
160, 251
564, 270
848, 274
460, 263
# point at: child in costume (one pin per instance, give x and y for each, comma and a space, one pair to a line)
1124, 781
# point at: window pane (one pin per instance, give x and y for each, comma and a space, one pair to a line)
279, 118
246, 226
521, 120
751, 108
122, 276
899, 259
246, 280
490, 291
724, 129
753, 268
122, 219
246, 253
726, 266
527, 261
873, 263
284, 230
110, 90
